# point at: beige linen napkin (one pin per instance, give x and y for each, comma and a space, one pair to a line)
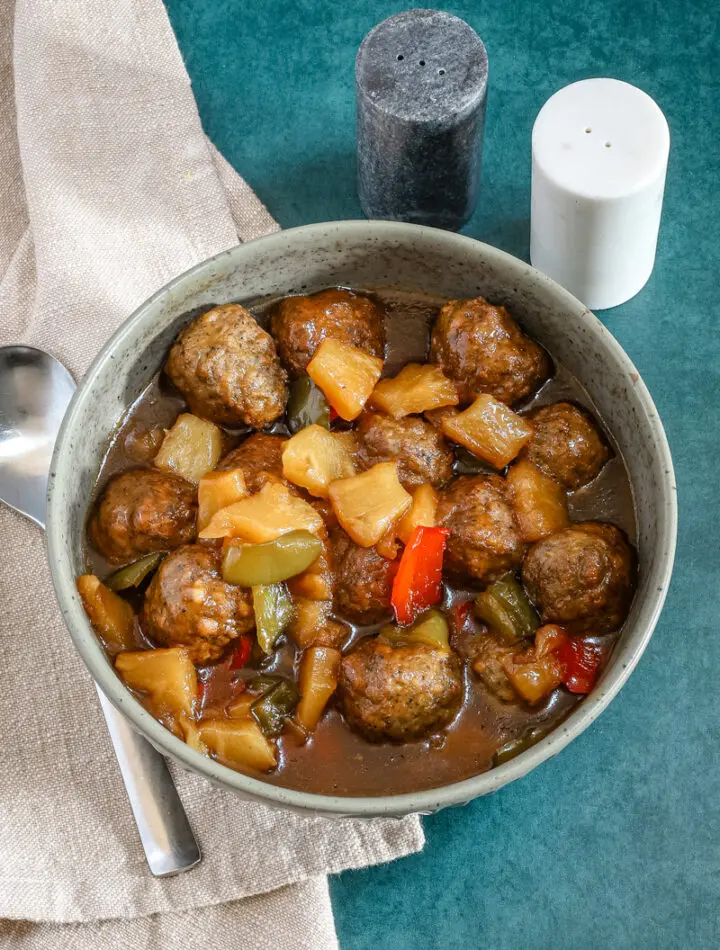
108, 188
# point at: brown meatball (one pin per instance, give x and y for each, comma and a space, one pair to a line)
582, 578
140, 511
300, 324
483, 350
566, 445
487, 663
228, 369
484, 541
260, 458
363, 581
399, 692
420, 450
189, 604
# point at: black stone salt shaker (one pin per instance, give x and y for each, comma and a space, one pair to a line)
421, 83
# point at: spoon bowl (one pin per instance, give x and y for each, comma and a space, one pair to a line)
35, 390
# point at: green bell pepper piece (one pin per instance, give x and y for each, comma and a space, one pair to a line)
132, 575
307, 405
505, 608
273, 612
431, 629
252, 565
275, 706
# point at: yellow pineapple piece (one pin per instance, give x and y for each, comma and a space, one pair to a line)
540, 504
166, 676
240, 708
217, 490
369, 504
191, 735
312, 625
112, 618
315, 457
191, 448
489, 429
422, 513
238, 743
264, 516
317, 681
418, 387
346, 375
316, 583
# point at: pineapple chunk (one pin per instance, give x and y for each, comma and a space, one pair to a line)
166, 676
317, 680
312, 625
240, 708
418, 387
112, 618
191, 735
316, 583
238, 743
217, 490
424, 506
489, 430
387, 546
315, 457
540, 504
369, 504
346, 375
264, 516
191, 448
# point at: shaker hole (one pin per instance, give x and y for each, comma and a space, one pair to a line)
608, 144
422, 62
400, 57
441, 72
588, 131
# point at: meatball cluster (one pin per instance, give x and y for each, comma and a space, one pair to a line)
390, 687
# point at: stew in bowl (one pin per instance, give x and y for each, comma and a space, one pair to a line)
360, 543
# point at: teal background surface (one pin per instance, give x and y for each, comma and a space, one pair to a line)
616, 842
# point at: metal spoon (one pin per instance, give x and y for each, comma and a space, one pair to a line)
35, 390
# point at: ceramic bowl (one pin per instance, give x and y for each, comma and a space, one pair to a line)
367, 255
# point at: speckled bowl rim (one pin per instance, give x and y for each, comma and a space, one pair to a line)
430, 800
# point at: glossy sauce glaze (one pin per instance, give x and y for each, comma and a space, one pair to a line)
336, 760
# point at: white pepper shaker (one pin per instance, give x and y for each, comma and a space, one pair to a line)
599, 156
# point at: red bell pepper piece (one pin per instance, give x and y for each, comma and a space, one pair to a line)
459, 616
241, 653
582, 661
418, 582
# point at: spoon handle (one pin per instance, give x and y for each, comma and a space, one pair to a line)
167, 838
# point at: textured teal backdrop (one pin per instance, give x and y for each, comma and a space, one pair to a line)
615, 843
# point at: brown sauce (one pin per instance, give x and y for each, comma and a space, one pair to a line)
336, 760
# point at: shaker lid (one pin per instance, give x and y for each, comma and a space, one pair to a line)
601, 138
423, 66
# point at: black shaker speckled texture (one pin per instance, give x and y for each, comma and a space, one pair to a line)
421, 83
